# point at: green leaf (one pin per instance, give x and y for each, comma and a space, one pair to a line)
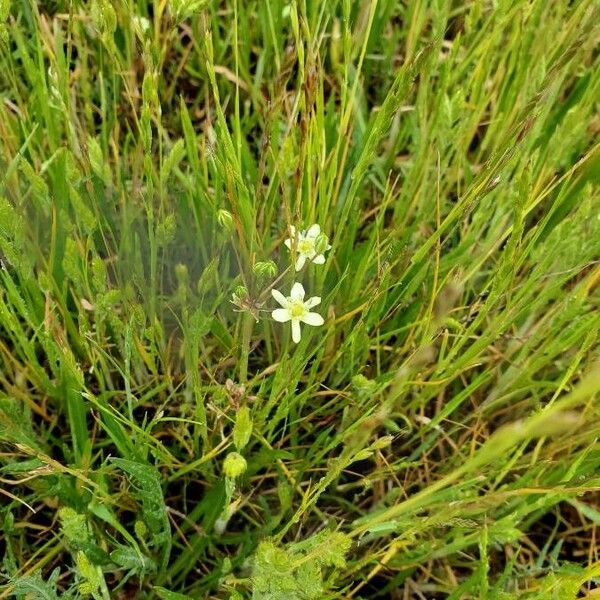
326, 548
148, 491
33, 586
165, 594
16, 424
130, 559
296, 572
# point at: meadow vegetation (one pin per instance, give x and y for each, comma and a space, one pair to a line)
163, 435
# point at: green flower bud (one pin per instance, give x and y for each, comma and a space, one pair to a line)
225, 219
322, 243
382, 442
226, 566
182, 275
141, 530
265, 269
234, 465
240, 293
363, 385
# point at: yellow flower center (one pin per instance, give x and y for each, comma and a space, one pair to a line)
297, 309
305, 246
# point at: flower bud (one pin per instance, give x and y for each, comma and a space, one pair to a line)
265, 269
225, 219
322, 243
363, 385
234, 465
382, 442
140, 528
181, 273
240, 293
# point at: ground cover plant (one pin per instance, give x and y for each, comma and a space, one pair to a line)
299, 300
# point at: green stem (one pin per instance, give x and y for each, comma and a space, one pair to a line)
247, 327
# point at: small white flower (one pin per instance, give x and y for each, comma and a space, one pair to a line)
141, 23
296, 310
305, 246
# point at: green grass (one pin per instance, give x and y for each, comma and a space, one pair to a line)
436, 437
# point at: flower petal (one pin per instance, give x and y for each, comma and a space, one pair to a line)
300, 262
313, 231
288, 243
296, 333
314, 319
281, 314
297, 292
312, 302
280, 298
319, 259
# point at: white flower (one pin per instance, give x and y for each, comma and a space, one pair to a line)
296, 310
141, 23
305, 245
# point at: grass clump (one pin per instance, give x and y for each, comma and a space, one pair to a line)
422, 423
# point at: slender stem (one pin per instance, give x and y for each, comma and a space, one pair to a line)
265, 292
247, 327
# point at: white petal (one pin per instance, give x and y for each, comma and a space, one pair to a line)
281, 315
319, 259
296, 334
300, 262
280, 298
314, 319
312, 302
297, 292
288, 243
313, 231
